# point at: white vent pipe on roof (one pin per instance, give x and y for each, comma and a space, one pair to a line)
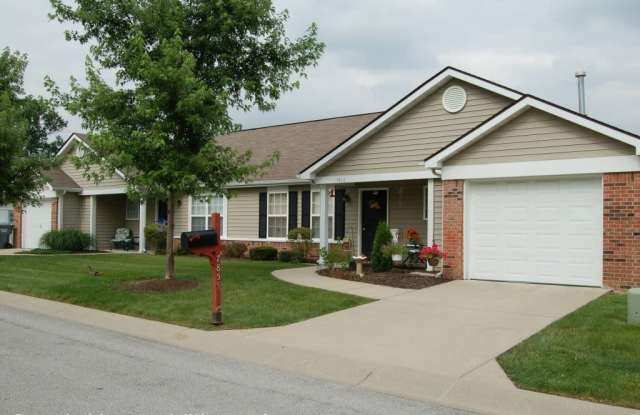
582, 108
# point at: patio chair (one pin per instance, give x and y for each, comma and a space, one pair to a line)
123, 239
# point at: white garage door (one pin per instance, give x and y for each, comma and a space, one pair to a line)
545, 231
36, 220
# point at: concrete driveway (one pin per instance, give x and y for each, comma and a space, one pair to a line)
447, 331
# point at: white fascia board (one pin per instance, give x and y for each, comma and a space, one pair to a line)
586, 165
516, 109
103, 191
266, 183
377, 177
400, 108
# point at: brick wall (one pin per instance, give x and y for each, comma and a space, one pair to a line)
621, 251
54, 214
17, 232
453, 227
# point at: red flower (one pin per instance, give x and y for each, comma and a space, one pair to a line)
432, 251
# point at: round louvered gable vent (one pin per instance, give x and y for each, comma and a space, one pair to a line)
454, 98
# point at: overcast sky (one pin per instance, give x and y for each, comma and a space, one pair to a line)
378, 50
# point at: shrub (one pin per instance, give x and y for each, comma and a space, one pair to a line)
66, 240
263, 253
235, 250
291, 256
302, 237
336, 257
381, 262
156, 237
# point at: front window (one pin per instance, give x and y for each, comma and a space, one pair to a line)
315, 215
201, 210
277, 215
133, 210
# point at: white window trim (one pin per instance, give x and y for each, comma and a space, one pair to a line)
126, 210
332, 204
224, 215
286, 215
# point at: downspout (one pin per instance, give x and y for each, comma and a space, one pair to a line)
438, 172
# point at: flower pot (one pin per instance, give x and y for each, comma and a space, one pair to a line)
434, 261
396, 258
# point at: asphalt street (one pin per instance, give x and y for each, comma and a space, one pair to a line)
50, 366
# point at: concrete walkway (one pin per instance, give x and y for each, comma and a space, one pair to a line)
308, 277
11, 251
438, 344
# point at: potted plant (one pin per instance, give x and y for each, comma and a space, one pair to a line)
395, 250
432, 254
412, 236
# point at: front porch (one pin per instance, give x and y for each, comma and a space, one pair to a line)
403, 204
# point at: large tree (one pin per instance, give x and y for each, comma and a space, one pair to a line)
26, 124
180, 66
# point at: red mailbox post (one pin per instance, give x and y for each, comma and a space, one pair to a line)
208, 244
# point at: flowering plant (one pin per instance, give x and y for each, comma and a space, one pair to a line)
412, 235
433, 251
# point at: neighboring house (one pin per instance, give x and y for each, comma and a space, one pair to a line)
515, 188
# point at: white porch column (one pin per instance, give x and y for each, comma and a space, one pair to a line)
60, 209
430, 216
142, 220
324, 217
92, 220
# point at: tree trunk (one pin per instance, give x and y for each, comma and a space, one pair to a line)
170, 265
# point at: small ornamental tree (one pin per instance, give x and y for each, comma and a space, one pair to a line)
380, 261
26, 122
180, 66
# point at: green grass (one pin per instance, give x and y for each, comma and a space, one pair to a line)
590, 354
252, 297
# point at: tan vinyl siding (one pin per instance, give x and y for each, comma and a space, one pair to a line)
182, 216
536, 135
242, 211
75, 212
110, 213
406, 207
406, 142
68, 167
437, 212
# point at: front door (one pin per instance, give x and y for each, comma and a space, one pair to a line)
373, 211
162, 212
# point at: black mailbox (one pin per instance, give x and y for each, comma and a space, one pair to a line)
198, 239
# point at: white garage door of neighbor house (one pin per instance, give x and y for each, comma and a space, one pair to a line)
543, 230
36, 220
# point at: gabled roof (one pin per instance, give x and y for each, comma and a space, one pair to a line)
298, 143
83, 140
517, 108
397, 109
59, 180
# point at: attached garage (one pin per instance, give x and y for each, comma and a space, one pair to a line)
36, 220
543, 230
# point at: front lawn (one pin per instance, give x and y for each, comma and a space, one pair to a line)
252, 297
590, 354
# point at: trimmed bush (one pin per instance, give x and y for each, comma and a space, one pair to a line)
291, 256
235, 250
263, 253
336, 257
66, 240
302, 238
381, 262
156, 237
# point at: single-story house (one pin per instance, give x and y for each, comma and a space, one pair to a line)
513, 187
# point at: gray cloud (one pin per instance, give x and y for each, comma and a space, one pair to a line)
378, 50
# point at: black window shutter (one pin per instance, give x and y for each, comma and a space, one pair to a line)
339, 214
293, 210
306, 209
262, 215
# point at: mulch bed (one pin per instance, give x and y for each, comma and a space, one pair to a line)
400, 278
160, 285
